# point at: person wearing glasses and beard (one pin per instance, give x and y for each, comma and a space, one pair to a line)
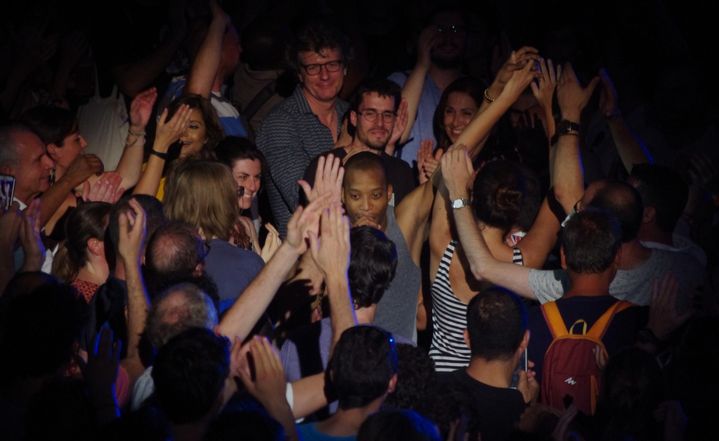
372, 121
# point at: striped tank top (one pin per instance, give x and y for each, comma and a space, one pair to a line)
449, 317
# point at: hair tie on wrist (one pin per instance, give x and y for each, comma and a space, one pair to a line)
159, 154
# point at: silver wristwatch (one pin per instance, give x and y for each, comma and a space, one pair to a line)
460, 203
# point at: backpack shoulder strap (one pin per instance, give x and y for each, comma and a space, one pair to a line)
600, 326
554, 319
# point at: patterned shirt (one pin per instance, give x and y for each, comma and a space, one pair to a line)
290, 136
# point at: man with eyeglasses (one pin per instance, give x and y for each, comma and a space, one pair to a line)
372, 118
440, 54
309, 121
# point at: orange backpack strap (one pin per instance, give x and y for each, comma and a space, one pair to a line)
600, 326
554, 319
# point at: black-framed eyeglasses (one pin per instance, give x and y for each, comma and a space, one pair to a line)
371, 115
450, 29
330, 66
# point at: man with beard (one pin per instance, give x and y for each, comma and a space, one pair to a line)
445, 36
373, 118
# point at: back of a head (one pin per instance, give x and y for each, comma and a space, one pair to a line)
189, 374
664, 189
154, 217
505, 195
496, 322
87, 221
415, 378
392, 425
373, 263
362, 364
39, 329
203, 195
625, 203
179, 308
174, 248
590, 240
52, 124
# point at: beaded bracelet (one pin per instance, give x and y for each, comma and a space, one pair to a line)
487, 98
130, 132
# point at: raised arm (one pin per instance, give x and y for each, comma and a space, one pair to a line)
565, 169
130, 164
207, 60
543, 91
457, 172
412, 90
331, 253
630, 147
132, 236
81, 168
252, 303
167, 133
479, 128
412, 216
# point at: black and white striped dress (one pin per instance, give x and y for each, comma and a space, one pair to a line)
449, 320
449, 317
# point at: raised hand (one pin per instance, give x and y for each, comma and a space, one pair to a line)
268, 382
527, 383
457, 172
424, 155
543, 88
170, 131
82, 168
305, 221
133, 229
331, 250
105, 189
328, 181
426, 41
141, 109
100, 373
519, 81
608, 98
571, 96
400, 123
516, 61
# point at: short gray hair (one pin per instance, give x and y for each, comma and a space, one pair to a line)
8, 145
197, 310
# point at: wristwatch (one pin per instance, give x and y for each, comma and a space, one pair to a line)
460, 203
566, 127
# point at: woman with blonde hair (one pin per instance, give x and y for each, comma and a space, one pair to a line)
204, 195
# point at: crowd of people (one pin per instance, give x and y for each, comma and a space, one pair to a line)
297, 221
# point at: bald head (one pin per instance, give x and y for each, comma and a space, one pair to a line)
624, 202
179, 308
